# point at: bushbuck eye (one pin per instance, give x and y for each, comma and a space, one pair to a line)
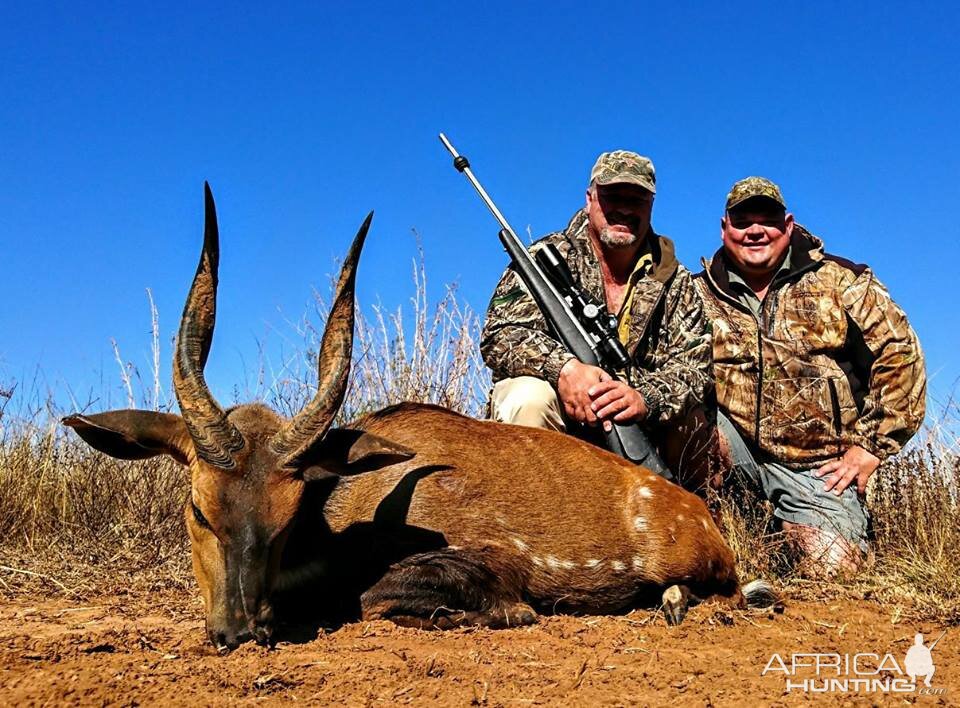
199, 517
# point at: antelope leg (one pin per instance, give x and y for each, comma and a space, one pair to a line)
445, 589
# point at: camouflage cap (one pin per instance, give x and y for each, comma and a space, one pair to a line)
750, 187
624, 166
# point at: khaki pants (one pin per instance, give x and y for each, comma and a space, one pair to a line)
528, 401
688, 447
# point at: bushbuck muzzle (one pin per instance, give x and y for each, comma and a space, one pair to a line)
247, 611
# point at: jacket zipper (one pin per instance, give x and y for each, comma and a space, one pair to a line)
760, 322
765, 321
756, 434
835, 405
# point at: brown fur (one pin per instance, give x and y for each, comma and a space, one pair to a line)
417, 509
560, 514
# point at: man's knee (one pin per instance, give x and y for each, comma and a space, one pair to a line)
824, 552
526, 400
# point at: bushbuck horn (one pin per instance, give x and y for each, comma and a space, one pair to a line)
310, 424
216, 440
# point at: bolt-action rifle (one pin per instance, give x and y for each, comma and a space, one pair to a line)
583, 324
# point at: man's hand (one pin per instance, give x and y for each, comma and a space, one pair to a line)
856, 464
574, 384
589, 395
616, 400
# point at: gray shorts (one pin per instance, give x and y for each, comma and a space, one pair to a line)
797, 495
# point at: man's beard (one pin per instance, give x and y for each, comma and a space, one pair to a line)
612, 238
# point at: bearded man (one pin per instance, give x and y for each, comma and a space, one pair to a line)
616, 256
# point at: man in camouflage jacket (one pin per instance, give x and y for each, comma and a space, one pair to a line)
819, 376
616, 256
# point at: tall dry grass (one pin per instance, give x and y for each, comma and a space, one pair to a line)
74, 521
428, 353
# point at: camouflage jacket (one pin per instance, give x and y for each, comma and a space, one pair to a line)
668, 338
831, 362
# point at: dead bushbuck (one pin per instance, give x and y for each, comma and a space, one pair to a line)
416, 513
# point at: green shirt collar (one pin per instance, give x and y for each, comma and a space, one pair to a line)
745, 293
784, 267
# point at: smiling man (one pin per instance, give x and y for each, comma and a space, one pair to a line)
819, 376
615, 255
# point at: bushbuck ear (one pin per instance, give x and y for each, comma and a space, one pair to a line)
344, 451
133, 434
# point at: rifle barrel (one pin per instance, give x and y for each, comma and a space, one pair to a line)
586, 352
463, 166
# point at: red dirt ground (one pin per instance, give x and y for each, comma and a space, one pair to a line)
153, 651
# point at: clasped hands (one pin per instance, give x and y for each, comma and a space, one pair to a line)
590, 395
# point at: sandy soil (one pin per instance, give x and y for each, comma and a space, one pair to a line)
152, 651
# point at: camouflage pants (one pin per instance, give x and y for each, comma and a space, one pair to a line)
687, 446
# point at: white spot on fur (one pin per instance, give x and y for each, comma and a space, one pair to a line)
519, 543
644, 492
537, 561
637, 563
618, 566
679, 517
555, 563
640, 523
706, 524
592, 563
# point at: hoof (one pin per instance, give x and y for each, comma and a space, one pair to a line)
675, 600
519, 614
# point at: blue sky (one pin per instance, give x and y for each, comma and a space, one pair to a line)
303, 117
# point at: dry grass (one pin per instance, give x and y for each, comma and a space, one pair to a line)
84, 521
916, 507
429, 356
76, 522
